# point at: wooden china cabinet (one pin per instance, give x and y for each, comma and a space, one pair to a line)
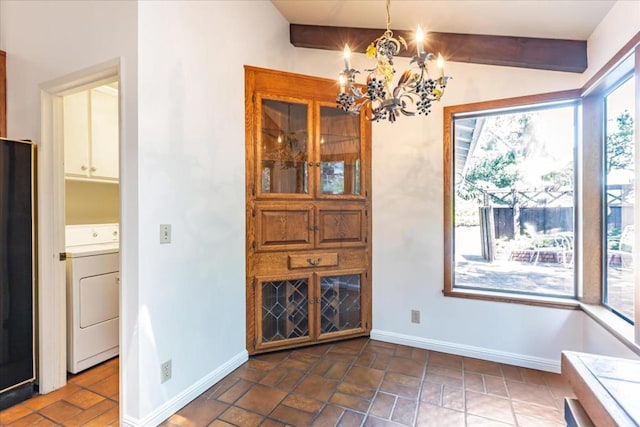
308, 179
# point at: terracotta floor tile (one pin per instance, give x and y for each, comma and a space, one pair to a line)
367, 377
383, 405
291, 416
372, 421
60, 411
317, 387
533, 376
105, 387
201, 411
474, 382
84, 398
220, 423
275, 357
444, 359
403, 351
41, 401
337, 370
435, 416
352, 347
90, 413
303, 403
482, 366
404, 411
400, 390
261, 399
544, 412
382, 362
105, 419
511, 372
453, 398
495, 408
529, 421
351, 419
444, 380
260, 364
316, 350
14, 413
432, 393
220, 387
356, 390
495, 385
476, 421
322, 367
300, 365
402, 379
33, 419
240, 417
94, 375
289, 382
366, 359
274, 377
246, 373
406, 366
350, 402
329, 416
234, 392
443, 370
268, 422
531, 393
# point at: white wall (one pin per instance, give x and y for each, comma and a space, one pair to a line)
192, 291
620, 25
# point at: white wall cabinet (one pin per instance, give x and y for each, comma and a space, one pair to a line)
91, 134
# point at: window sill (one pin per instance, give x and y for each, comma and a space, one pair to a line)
564, 303
616, 326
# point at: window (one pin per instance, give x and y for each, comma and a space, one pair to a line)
511, 195
619, 199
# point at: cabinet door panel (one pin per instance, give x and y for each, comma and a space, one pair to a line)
341, 226
340, 303
104, 134
280, 227
283, 310
340, 171
76, 134
283, 147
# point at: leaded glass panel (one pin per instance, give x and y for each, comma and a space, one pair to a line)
285, 312
340, 303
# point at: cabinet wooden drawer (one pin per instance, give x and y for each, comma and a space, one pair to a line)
325, 259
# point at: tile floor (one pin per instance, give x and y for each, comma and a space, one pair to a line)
358, 382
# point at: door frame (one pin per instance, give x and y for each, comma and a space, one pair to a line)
51, 284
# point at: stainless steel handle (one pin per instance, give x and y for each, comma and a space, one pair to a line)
83, 168
93, 169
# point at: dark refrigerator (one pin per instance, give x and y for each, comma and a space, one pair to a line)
17, 271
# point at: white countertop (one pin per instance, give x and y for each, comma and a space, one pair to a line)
92, 250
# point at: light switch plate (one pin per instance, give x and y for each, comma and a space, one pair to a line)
165, 233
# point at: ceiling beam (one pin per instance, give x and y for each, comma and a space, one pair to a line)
524, 52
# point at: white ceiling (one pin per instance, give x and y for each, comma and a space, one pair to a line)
559, 19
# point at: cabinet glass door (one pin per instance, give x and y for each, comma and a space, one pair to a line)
283, 147
284, 310
340, 303
340, 152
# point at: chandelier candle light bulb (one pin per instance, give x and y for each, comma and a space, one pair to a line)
414, 92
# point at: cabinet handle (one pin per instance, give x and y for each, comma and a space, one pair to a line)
310, 163
93, 169
83, 168
314, 261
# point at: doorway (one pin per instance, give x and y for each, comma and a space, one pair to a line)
56, 182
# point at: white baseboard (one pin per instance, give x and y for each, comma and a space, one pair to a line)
174, 405
516, 359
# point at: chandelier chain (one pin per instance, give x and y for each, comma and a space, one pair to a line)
388, 33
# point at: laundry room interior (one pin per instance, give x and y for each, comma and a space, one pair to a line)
91, 222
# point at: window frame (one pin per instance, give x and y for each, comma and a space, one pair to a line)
524, 103
588, 199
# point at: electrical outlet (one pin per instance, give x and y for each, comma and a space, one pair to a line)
415, 316
165, 233
165, 371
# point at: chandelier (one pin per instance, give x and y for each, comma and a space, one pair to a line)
415, 91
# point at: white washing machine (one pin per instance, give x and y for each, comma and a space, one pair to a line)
93, 293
